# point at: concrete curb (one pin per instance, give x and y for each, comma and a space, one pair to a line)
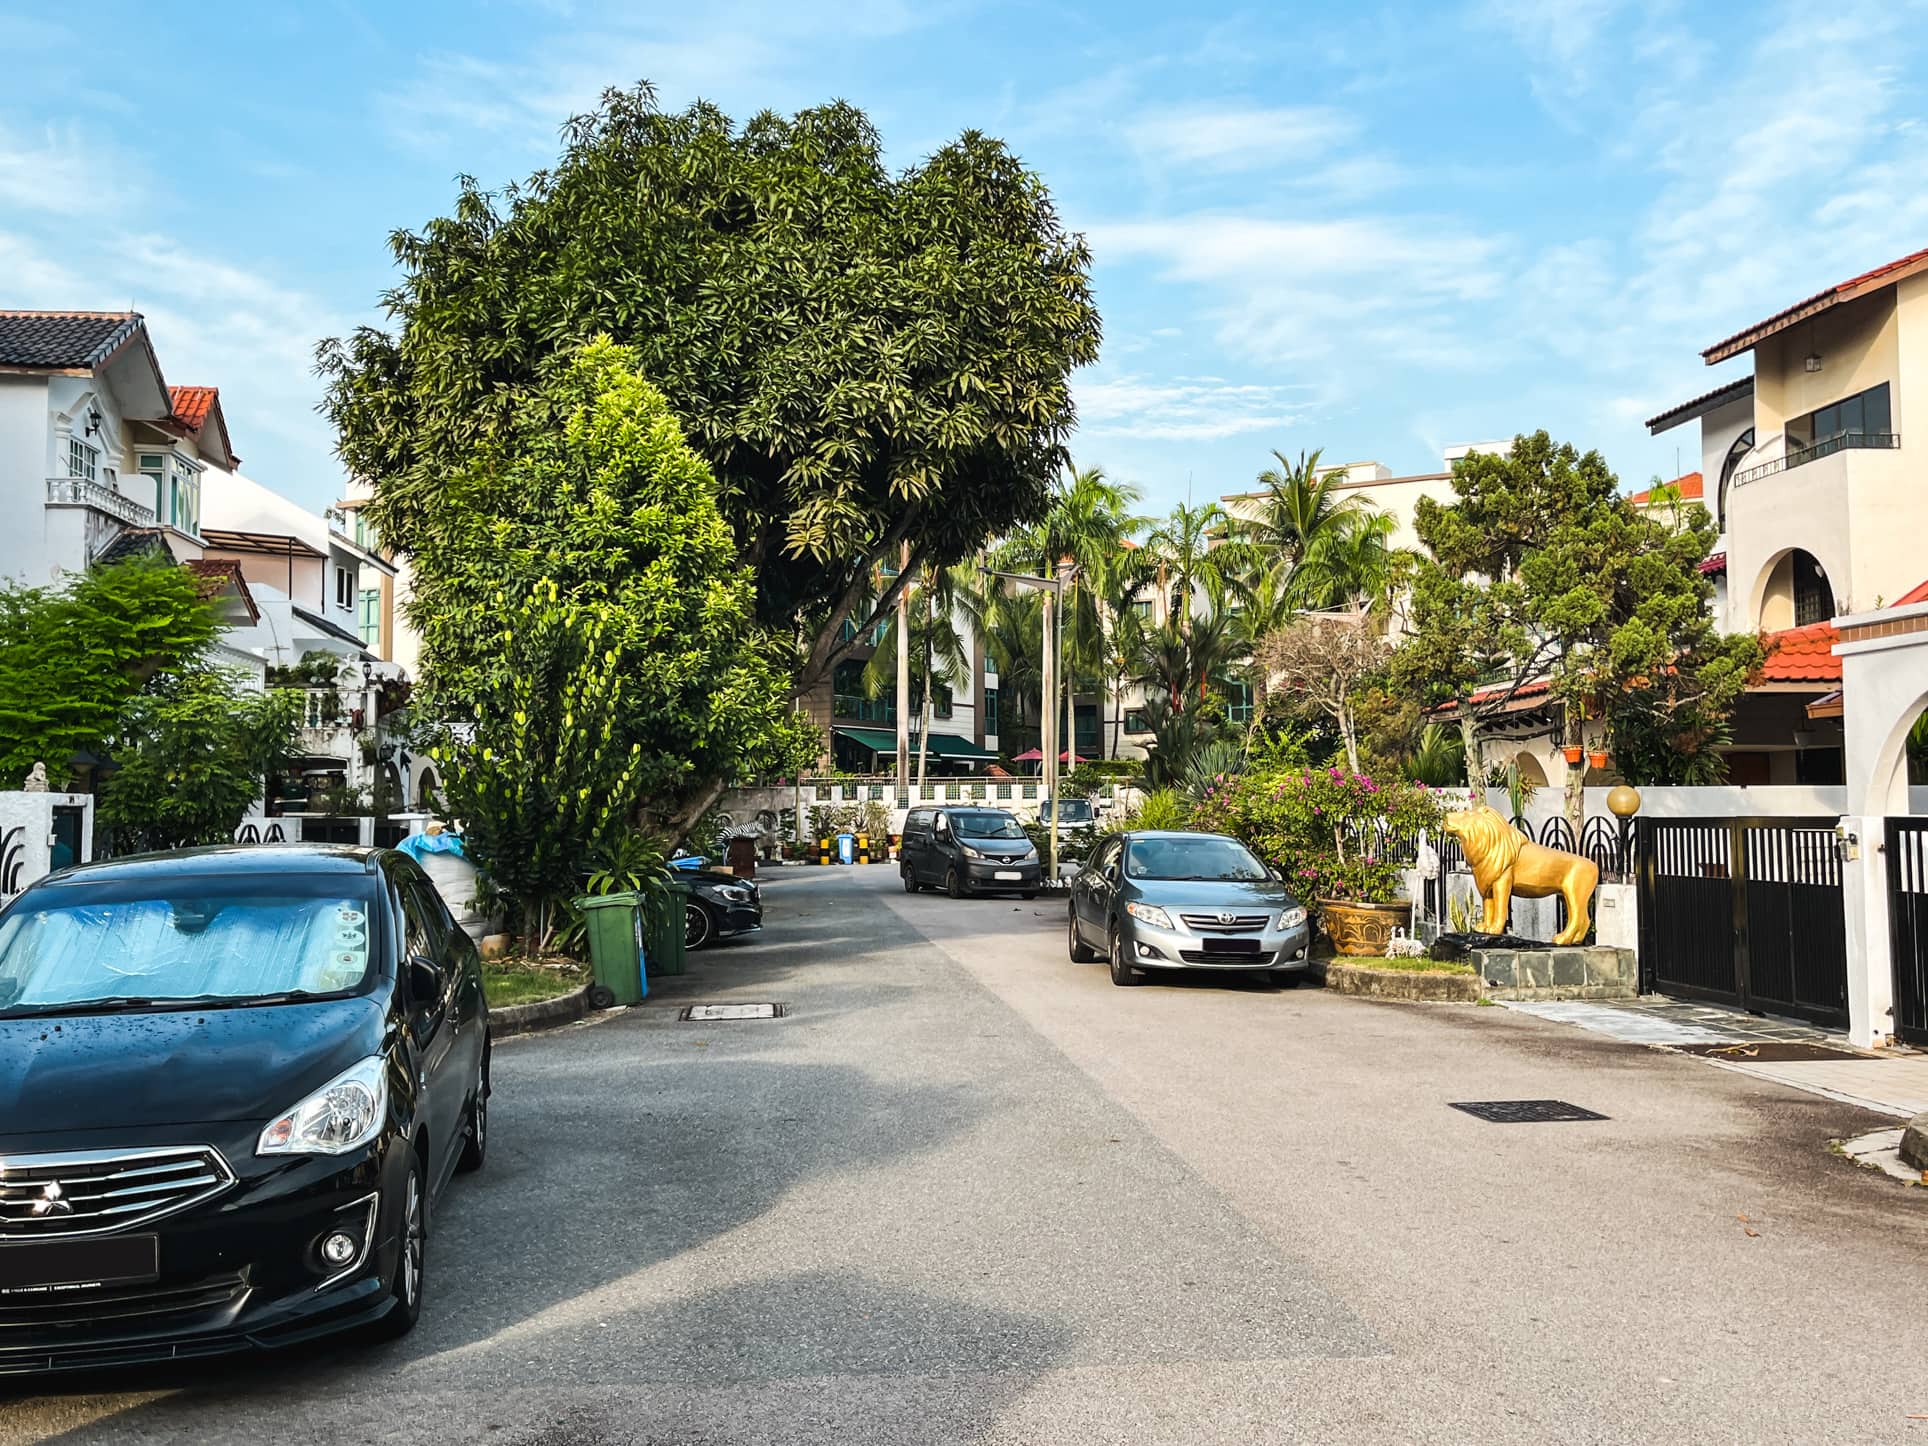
1402, 984
517, 1019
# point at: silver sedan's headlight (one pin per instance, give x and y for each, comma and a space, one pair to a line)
343, 1115
1150, 914
1291, 918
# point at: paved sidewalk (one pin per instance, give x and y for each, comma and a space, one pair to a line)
1892, 1082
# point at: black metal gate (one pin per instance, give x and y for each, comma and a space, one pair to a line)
1908, 925
1745, 911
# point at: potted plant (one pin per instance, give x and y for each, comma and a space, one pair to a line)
1597, 758
1326, 831
1573, 752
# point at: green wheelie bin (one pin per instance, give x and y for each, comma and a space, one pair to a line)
615, 926
664, 929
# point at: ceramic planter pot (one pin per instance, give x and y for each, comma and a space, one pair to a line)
1364, 930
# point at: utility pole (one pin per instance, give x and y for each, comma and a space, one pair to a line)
1049, 722
903, 680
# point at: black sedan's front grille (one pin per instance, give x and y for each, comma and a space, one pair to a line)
90, 1192
1220, 924
144, 1306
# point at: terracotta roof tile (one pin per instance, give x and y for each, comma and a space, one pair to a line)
1847, 290
1714, 564
1916, 594
1802, 655
191, 404
215, 574
1692, 489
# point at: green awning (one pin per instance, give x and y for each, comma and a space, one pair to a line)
949, 745
942, 745
878, 740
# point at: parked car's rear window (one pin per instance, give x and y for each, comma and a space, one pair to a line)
205, 940
1201, 857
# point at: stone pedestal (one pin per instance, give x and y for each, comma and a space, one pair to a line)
1598, 972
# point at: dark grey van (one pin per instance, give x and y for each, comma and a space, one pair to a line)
968, 849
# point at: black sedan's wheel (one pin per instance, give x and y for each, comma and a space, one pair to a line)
475, 1129
1121, 972
911, 885
410, 1261
1081, 952
698, 926
954, 884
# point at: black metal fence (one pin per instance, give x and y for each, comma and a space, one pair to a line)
1745, 911
1908, 925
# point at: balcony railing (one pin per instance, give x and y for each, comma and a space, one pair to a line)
1826, 447
79, 492
861, 709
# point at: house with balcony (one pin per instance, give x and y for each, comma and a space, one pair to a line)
1817, 498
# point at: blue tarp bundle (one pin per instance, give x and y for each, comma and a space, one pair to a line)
415, 845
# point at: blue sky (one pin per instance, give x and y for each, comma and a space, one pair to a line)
1379, 230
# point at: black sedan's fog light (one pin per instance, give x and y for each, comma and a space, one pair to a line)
342, 1248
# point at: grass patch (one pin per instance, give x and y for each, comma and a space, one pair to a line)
1406, 966
527, 981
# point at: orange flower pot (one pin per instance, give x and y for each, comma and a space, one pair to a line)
1597, 758
1573, 752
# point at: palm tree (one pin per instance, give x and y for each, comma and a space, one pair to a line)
1297, 508
939, 657
1185, 546
1350, 565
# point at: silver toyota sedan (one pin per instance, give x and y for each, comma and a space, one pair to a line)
1185, 901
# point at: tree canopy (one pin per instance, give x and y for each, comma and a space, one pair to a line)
862, 358
588, 631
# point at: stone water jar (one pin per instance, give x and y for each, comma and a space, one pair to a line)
1364, 930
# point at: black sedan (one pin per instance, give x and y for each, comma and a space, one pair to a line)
720, 905
232, 1083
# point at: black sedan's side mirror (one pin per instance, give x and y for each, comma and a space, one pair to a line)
424, 981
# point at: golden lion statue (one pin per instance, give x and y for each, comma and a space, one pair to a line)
1506, 862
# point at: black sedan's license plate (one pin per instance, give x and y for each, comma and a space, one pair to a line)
1231, 946
45, 1267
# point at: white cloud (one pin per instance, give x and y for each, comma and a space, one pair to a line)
1181, 409
1239, 138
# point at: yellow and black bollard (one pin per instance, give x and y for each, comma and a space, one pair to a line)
824, 846
863, 848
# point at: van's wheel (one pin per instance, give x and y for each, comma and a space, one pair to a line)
411, 1259
911, 885
1081, 952
954, 883
1121, 972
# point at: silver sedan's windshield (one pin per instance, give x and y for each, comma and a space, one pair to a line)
1202, 857
202, 940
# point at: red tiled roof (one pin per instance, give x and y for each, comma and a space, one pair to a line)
1847, 290
214, 574
1714, 564
1701, 405
191, 404
1916, 594
1802, 655
1691, 490
1525, 690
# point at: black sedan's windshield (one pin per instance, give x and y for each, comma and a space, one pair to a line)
205, 941
1202, 857
988, 824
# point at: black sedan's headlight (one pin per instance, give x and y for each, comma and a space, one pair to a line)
727, 894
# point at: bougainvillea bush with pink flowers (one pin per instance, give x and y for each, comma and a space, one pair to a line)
1322, 827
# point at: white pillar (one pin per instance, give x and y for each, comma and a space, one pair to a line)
1864, 900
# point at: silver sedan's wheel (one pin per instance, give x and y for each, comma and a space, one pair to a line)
1122, 973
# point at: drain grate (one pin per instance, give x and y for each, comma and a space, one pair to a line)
709, 1013
1523, 1112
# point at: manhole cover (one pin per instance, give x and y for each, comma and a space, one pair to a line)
701, 1013
1768, 1051
1523, 1112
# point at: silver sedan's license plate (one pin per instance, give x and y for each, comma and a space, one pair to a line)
1007, 874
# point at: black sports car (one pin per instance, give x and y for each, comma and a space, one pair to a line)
719, 905
232, 1081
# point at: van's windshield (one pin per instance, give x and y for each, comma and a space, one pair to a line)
184, 942
989, 824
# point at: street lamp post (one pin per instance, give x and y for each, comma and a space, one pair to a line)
1053, 590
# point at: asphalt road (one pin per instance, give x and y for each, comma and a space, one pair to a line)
969, 1191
